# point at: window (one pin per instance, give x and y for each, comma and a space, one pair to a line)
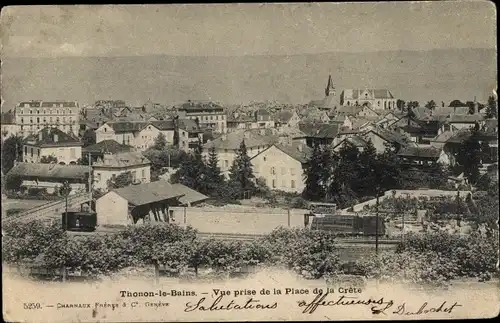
283, 171
273, 171
143, 172
31, 120
292, 184
274, 183
31, 151
64, 119
21, 111
225, 150
38, 152
292, 171
265, 158
98, 175
134, 175
50, 119
37, 119
50, 111
37, 111
25, 150
72, 152
22, 120
226, 163
31, 111
283, 183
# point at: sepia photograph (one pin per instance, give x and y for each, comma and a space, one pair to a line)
249, 162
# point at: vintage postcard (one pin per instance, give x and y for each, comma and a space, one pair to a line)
249, 162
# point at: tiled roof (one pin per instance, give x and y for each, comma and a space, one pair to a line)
66, 104
164, 124
187, 124
348, 110
49, 136
469, 118
295, 152
284, 116
158, 191
127, 126
197, 105
319, 130
32, 104
390, 135
233, 140
355, 140
107, 146
7, 118
443, 137
424, 152
55, 171
121, 160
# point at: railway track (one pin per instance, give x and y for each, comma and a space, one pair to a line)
49, 210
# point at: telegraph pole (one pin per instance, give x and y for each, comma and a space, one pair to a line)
376, 220
90, 182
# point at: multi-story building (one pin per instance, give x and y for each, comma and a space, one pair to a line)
112, 165
52, 142
31, 116
378, 99
282, 166
207, 114
140, 135
227, 145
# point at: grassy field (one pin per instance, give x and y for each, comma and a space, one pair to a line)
22, 204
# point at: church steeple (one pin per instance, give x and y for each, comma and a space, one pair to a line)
330, 88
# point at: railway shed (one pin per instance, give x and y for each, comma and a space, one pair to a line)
149, 202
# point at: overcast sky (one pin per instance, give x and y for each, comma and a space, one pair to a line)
245, 29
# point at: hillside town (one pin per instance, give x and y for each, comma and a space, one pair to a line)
374, 167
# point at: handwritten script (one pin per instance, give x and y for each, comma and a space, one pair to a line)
219, 304
377, 306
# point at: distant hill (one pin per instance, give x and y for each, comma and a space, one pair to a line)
441, 75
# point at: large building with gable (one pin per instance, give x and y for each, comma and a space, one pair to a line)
379, 99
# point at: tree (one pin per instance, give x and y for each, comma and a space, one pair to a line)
49, 159
13, 182
400, 104
122, 180
192, 171
160, 142
241, 172
12, 150
431, 105
84, 160
469, 157
363, 182
492, 108
88, 137
213, 174
412, 104
313, 189
340, 189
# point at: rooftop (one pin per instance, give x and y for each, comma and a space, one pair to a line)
419, 151
319, 130
50, 171
107, 146
127, 126
159, 191
52, 137
232, 141
122, 160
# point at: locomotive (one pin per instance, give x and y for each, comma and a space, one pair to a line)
323, 216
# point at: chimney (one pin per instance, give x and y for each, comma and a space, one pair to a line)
56, 137
476, 106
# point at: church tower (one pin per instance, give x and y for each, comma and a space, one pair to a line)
330, 88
